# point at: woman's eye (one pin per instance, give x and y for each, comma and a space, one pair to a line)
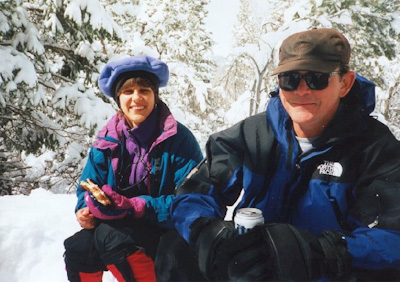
130, 91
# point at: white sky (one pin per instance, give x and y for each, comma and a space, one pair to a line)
222, 14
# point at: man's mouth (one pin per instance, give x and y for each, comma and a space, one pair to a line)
302, 104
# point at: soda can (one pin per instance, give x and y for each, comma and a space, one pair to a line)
246, 218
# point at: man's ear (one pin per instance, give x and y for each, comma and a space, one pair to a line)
347, 82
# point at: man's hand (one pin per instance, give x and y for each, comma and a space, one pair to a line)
206, 237
85, 219
245, 258
223, 255
278, 252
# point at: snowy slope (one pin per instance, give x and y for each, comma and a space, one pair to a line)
32, 231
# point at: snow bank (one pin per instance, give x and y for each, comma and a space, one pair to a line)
32, 231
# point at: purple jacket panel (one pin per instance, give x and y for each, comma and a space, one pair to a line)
114, 129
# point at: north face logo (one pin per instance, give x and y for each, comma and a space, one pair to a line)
331, 168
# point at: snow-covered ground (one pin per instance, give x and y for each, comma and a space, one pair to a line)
32, 231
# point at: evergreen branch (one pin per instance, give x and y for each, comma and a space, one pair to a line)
36, 122
18, 180
46, 84
60, 48
62, 77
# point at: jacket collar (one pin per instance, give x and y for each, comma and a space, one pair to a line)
347, 122
110, 136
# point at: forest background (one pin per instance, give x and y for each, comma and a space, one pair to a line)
51, 53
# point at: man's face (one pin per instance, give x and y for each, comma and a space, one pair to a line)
311, 110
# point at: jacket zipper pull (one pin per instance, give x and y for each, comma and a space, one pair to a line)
374, 223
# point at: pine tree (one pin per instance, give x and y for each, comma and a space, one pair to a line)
52, 52
174, 31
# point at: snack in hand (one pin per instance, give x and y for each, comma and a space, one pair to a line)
97, 193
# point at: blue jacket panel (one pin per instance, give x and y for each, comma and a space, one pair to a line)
350, 181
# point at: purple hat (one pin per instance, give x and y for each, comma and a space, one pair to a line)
114, 71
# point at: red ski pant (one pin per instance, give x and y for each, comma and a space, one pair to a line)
141, 265
90, 252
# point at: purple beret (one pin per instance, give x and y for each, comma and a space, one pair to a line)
113, 71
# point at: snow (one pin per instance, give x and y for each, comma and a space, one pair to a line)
96, 16
239, 108
396, 22
32, 231
12, 63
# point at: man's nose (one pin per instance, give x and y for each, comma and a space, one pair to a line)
303, 88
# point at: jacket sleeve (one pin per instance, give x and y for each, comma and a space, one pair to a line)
219, 181
181, 156
216, 185
374, 248
375, 242
96, 169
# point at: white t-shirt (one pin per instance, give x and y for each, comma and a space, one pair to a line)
305, 143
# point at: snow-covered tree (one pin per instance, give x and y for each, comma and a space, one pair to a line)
51, 52
54, 49
255, 52
368, 27
175, 32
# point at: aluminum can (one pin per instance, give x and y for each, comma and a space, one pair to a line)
246, 218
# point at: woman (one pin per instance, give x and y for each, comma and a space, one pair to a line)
138, 159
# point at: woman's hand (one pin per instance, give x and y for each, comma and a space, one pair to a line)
85, 218
120, 202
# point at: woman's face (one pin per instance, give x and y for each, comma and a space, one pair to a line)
137, 103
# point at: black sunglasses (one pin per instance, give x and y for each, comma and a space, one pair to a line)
289, 81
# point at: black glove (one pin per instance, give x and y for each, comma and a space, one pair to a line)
278, 252
300, 255
219, 258
207, 234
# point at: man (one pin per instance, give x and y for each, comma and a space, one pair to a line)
324, 173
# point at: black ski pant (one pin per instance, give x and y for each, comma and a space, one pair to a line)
91, 250
175, 261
